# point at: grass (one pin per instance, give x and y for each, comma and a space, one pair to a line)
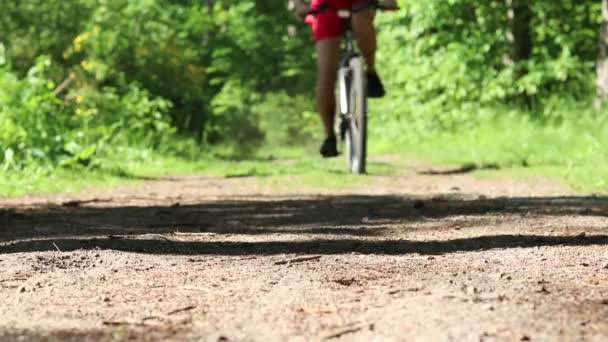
572, 152
38, 181
270, 167
575, 152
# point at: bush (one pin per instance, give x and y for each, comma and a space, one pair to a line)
39, 127
443, 62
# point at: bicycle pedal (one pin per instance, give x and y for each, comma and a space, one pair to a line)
343, 128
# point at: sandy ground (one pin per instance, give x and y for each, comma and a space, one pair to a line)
421, 256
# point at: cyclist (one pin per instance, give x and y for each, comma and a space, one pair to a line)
327, 32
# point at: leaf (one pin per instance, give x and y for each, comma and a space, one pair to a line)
2, 54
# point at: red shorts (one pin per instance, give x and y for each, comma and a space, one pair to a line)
327, 24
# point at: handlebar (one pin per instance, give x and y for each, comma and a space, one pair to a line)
354, 9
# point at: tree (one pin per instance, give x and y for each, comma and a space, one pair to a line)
519, 34
602, 61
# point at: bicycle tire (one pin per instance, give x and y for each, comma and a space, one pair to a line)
356, 128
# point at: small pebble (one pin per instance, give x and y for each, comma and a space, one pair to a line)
488, 307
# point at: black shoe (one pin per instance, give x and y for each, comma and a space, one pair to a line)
328, 149
375, 89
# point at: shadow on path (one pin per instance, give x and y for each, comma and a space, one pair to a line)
90, 225
314, 246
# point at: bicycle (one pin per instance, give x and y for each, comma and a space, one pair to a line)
352, 90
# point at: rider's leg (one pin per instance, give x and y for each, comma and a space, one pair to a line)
365, 33
328, 55
363, 27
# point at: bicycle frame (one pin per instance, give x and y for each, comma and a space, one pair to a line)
353, 110
352, 106
348, 52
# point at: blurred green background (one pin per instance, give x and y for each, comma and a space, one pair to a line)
119, 88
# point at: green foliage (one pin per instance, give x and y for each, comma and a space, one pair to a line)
184, 51
85, 80
82, 79
444, 60
573, 150
40, 27
40, 128
287, 120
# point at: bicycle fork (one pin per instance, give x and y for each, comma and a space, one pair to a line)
343, 79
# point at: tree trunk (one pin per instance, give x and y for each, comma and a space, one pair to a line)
519, 34
519, 42
197, 119
208, 4
602, 60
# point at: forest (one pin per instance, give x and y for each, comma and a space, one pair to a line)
84, 81
160, 176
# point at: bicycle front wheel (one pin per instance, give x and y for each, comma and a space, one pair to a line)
356, 128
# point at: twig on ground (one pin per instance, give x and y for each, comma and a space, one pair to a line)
57, 248
142, 322
118, 323
175, 224
161, 236
187, 233
193, 288
302, 259
187, 308
318, 310
147, 318
341, 332
77, 203
346, 329
12, 279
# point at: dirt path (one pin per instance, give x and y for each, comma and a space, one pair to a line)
429, 256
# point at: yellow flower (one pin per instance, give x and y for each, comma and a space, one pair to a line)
86, 65
81, 38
